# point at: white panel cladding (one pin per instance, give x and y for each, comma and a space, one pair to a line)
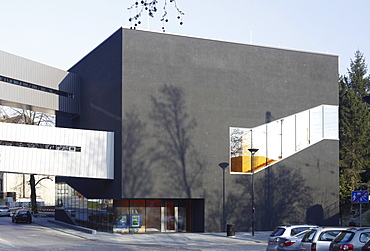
95, 160
331, 121
316, 125
21, 69
30, 71
288, 134
28, 96
274, 135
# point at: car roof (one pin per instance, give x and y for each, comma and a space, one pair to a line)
320, 230
289, 229
357, 229
297, 225
334, 228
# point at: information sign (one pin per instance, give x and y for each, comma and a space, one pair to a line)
360, 197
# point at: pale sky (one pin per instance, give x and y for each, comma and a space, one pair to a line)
59, 33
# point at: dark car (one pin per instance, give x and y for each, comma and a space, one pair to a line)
22, 215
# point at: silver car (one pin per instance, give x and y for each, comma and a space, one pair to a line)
285, 231
291, 243
4, 211
350, 239
319, 239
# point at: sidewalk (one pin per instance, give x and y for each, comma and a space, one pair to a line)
186, 239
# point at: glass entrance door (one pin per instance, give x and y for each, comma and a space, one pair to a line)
174, 216
170, 216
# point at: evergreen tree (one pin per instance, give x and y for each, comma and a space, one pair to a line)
354, 130
357, 79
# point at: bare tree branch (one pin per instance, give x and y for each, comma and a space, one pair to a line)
150, 6
19, 116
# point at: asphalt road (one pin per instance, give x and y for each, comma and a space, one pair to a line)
32, 237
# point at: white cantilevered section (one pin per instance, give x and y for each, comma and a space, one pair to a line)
282, 138
56, 151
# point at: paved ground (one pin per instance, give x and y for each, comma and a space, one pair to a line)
200, 241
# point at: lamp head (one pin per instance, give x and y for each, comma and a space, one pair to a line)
223, 165
253, 150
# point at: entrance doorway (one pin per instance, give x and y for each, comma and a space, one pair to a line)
173, 215
170, 216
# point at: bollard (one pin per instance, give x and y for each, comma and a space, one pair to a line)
231, 230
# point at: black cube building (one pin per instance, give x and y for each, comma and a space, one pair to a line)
174, 104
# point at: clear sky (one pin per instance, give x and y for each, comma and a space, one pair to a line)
59, 33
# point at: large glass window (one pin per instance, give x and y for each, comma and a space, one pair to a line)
124, 215
153, 216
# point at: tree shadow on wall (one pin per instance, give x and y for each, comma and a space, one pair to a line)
215, 210
288, 203
136, 170
290, 197
174, 131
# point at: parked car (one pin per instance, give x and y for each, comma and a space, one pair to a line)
4, 211
319, 239
284, 231
291, 243
351, 239
22, 215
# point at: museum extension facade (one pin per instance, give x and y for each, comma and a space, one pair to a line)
144, 120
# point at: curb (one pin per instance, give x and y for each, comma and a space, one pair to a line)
82, 229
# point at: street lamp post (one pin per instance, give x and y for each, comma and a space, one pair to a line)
223, 165
253, 151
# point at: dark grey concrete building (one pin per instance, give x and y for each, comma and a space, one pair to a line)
171, 101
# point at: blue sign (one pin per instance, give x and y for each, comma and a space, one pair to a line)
360, 197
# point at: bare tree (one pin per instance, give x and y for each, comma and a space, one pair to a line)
175, 130
20, 116
236, 141
151, 7
134, 183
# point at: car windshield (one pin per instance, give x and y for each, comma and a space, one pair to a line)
344, 237
298, 230
309, 236
22, 212
329, 235
301, 234
277, 232
4, 207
